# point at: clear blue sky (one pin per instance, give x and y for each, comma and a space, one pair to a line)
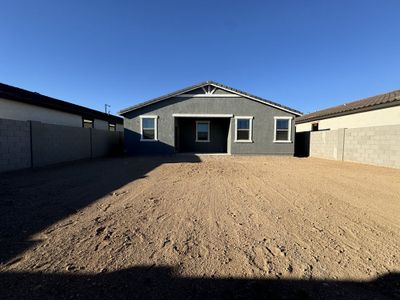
307, 54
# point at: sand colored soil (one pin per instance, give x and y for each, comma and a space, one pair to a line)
282, 219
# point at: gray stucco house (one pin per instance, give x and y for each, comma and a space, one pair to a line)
209, 118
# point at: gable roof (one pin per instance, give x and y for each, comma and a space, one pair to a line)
214, 84
366, 104
13, 93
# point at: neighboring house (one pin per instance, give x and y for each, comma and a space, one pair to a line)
366, 131
380, 110
23, 105
36, 131
209, 118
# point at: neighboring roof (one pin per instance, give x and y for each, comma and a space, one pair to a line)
20, 95
370, 103
217, 85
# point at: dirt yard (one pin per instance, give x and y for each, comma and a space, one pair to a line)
185, 226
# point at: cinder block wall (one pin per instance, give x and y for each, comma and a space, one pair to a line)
378, 145
106, 143
324, 144
15, 145
25, 144
373, 145
53, 144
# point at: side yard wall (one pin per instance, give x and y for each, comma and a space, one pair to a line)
324, 144
374, 145
15, 145
53, 144
379, 145
25, 144
106, 143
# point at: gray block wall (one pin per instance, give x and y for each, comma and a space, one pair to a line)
53, 144
25, 144
378, 145
15, 145
374, 145
324, 144
105, 143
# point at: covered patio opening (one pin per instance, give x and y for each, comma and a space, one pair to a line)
202, 133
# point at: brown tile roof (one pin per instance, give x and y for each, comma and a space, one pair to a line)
370, 103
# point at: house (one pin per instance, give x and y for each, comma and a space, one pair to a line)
366, 131
209, 118
380, 110
36, 131
22, 105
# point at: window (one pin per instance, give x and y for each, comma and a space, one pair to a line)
202, 131
243, 129
148, 125
87, 123
283, 129
111, 127
314, 127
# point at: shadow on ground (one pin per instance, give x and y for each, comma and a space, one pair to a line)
160, 283
32, 200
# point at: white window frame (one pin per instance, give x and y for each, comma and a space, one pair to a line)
250, 118
155, 128
289, 129
208, 135
112, 125
87, 121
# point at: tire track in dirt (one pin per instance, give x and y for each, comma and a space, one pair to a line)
226, 216
326, 235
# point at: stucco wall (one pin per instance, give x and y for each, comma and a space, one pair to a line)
13, 110
25, 112
219, 128
100, 124
378, 145
120, 127
380, 117
263, 124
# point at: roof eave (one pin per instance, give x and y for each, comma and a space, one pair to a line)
349, 112
215, 84
28, 97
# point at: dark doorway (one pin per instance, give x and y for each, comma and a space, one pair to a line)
201, 135
314, 127
302, 144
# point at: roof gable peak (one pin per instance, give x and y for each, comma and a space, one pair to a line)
208, 92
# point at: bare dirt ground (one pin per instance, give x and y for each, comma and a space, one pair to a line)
189, 227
